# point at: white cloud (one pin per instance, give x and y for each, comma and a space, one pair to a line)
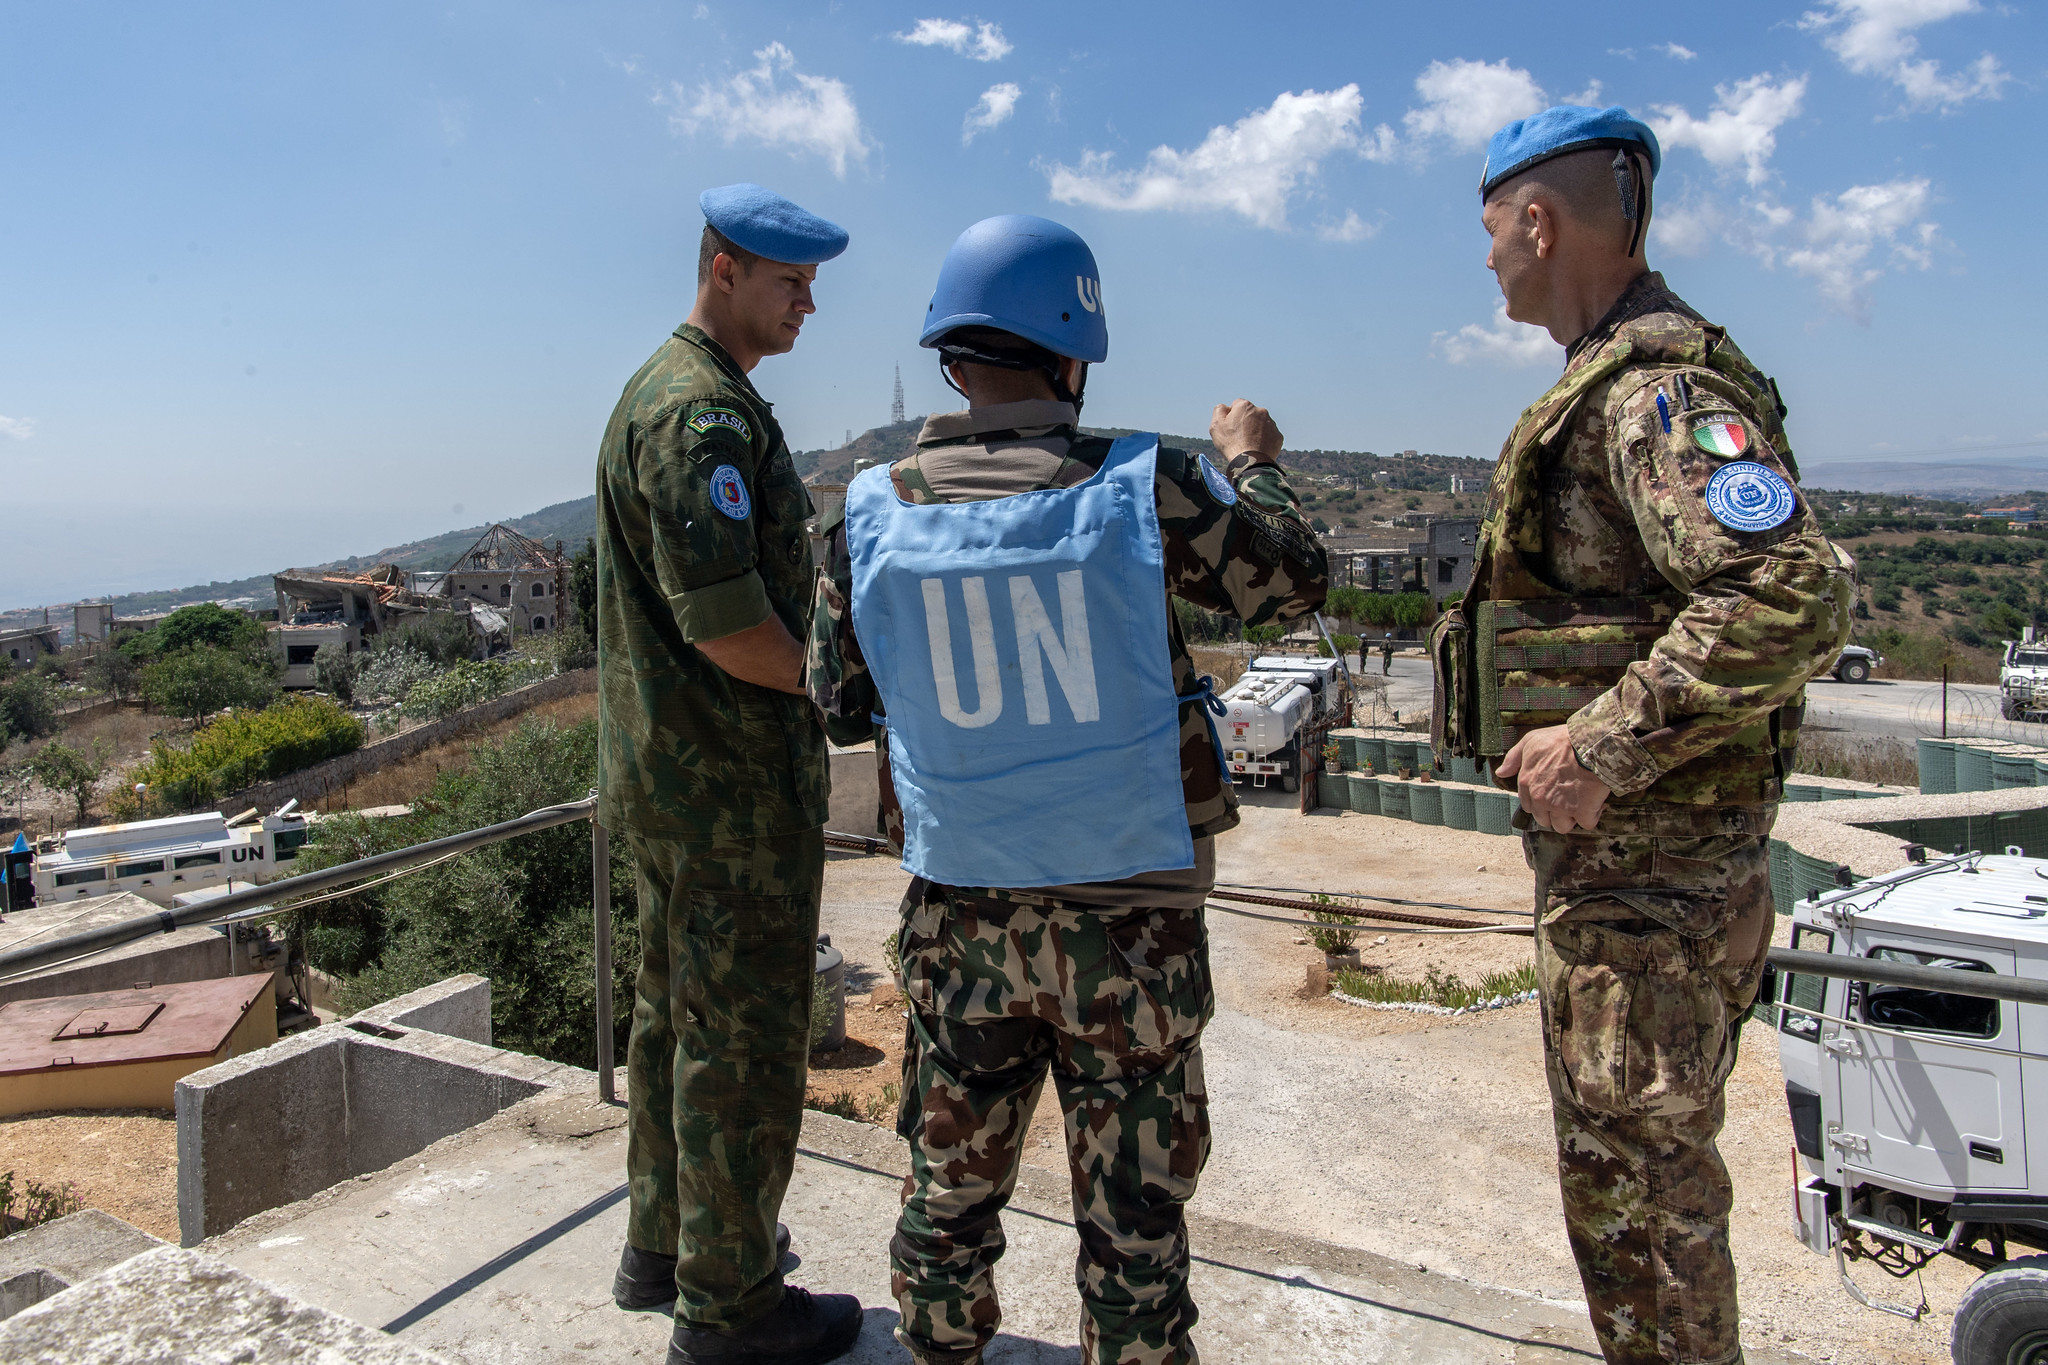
17, 428
983, 44
1350, 228
1682, 229
1590, 95
1678, 51
1743, 127
1465, 103
1843, 234
995, 106
1875, 38
1250, 167
1502, 341
778, 106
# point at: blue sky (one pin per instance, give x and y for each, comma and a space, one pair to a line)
281, 283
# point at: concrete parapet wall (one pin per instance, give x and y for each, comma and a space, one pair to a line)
343, 1100
310, 783
47, 1260
459, 1007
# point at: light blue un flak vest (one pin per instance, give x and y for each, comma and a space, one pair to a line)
1020, 649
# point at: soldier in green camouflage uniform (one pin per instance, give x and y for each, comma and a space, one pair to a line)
713, 770
1631, 628
1104, 985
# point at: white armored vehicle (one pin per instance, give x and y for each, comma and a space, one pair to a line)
1911, 1115
1280, 699
2023, 678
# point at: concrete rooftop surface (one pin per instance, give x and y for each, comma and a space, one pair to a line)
496, 1246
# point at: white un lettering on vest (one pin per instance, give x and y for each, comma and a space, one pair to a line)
1038, 646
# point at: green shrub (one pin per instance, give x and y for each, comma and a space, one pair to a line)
1334, 940
446, 637
35, 1203
471, 682
75, 772
239, 750
392, 671
196, 682
517, 912
334, 670
1346, 644
1435, 989
28, 706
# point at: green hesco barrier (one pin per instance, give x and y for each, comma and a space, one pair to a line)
1334, 790
1425, 756
1973, 768
1781, 877
1495, 810
2014, 769
1364, 794
1394, 797
1795, 876
1371, 749
1400, 754
1802, 791
1461, 807
1937, 767
2041, 772
1989, 833
1426, 803
1465, 770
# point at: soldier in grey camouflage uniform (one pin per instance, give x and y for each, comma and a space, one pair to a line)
1651, 596
1106, 985
713, 770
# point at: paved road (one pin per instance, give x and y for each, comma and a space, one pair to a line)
1907, 710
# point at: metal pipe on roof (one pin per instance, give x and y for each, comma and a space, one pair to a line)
1948, 980
19, 961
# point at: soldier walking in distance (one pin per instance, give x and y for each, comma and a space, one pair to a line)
1387, 653
1052, 777
1651, 596
713, 770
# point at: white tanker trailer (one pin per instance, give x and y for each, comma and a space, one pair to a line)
1267, 711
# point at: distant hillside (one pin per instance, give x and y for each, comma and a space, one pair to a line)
1419, 471
1985, 476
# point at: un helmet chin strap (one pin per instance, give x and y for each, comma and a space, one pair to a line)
957, 353
1634, 190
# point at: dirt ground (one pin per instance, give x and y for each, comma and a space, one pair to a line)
124, 1161
1419, 1137
403, 783
130, 731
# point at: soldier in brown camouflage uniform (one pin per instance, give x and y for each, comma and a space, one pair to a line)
1652, 595
713, 770
1105, 985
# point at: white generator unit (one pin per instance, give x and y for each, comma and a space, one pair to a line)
2023, 678
1914, 1135
159, 859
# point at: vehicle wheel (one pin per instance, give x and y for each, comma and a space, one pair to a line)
1856, 671
2010, 709
1290, 783
2002, 1319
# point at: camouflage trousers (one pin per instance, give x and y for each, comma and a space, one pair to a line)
1112, 1004
716, 1061
1648, 953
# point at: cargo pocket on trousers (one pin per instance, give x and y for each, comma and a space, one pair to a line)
747, 963
1165, 957
1635, 1025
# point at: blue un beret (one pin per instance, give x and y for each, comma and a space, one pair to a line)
1565, 128
768, 225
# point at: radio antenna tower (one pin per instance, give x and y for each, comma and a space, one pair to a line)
896, 404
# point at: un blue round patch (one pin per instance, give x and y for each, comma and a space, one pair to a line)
729, 493
1747, 496
1218, 485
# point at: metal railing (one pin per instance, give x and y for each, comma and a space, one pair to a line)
17, 962
237, 905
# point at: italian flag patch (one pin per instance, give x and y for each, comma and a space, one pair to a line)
1721, 436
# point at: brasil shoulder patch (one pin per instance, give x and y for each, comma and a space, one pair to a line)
1747, 496
720, 417
729, 493
1721, 435
1218, 485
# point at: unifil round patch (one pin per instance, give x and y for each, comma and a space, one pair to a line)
1722, 435
1746, 496
1218, 485
729, 493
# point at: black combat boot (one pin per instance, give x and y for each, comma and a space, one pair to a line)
804, 1329
647, 1279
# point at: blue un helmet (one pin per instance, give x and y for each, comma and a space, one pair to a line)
1029, 277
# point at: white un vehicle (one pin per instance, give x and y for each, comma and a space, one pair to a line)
2023, 678
1268, 712
1920, 1116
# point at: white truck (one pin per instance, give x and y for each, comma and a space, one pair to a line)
2023, 678
1914, 1138
1267, 712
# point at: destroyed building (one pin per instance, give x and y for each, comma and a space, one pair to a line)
505, 574
315, 608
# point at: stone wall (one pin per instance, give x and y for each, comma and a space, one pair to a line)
309, 784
